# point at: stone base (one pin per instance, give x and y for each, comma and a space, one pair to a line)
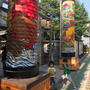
40, 82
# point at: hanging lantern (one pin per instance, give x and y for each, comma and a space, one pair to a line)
43, 23
39, 20
22, 34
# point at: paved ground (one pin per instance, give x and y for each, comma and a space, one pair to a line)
85, 84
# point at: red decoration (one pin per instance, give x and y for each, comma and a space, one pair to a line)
13, 35
28, 8
50, 24
15, 31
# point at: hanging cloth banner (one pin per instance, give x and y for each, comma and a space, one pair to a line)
68, 29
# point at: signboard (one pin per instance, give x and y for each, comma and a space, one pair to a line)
68, 33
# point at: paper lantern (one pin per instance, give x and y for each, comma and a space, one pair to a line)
43, 23
22, 32
49, 25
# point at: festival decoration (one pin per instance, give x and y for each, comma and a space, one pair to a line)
22, 42
45, 23
68, 33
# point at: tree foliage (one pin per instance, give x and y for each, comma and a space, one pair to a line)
54, 8
81, 20
81, 17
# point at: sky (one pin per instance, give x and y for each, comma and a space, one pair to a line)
87, 5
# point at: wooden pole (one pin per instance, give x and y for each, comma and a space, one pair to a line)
60, 24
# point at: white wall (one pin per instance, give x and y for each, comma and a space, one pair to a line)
85, 41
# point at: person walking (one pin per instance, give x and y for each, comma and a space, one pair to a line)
67, 74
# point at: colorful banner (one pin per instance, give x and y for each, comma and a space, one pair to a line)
68, 33
22, 43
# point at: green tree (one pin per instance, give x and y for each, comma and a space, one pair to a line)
54, 8
81, 20
81, 17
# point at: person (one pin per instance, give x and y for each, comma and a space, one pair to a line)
52, 71
67, 74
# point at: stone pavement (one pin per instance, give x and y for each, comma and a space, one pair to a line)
85, 84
